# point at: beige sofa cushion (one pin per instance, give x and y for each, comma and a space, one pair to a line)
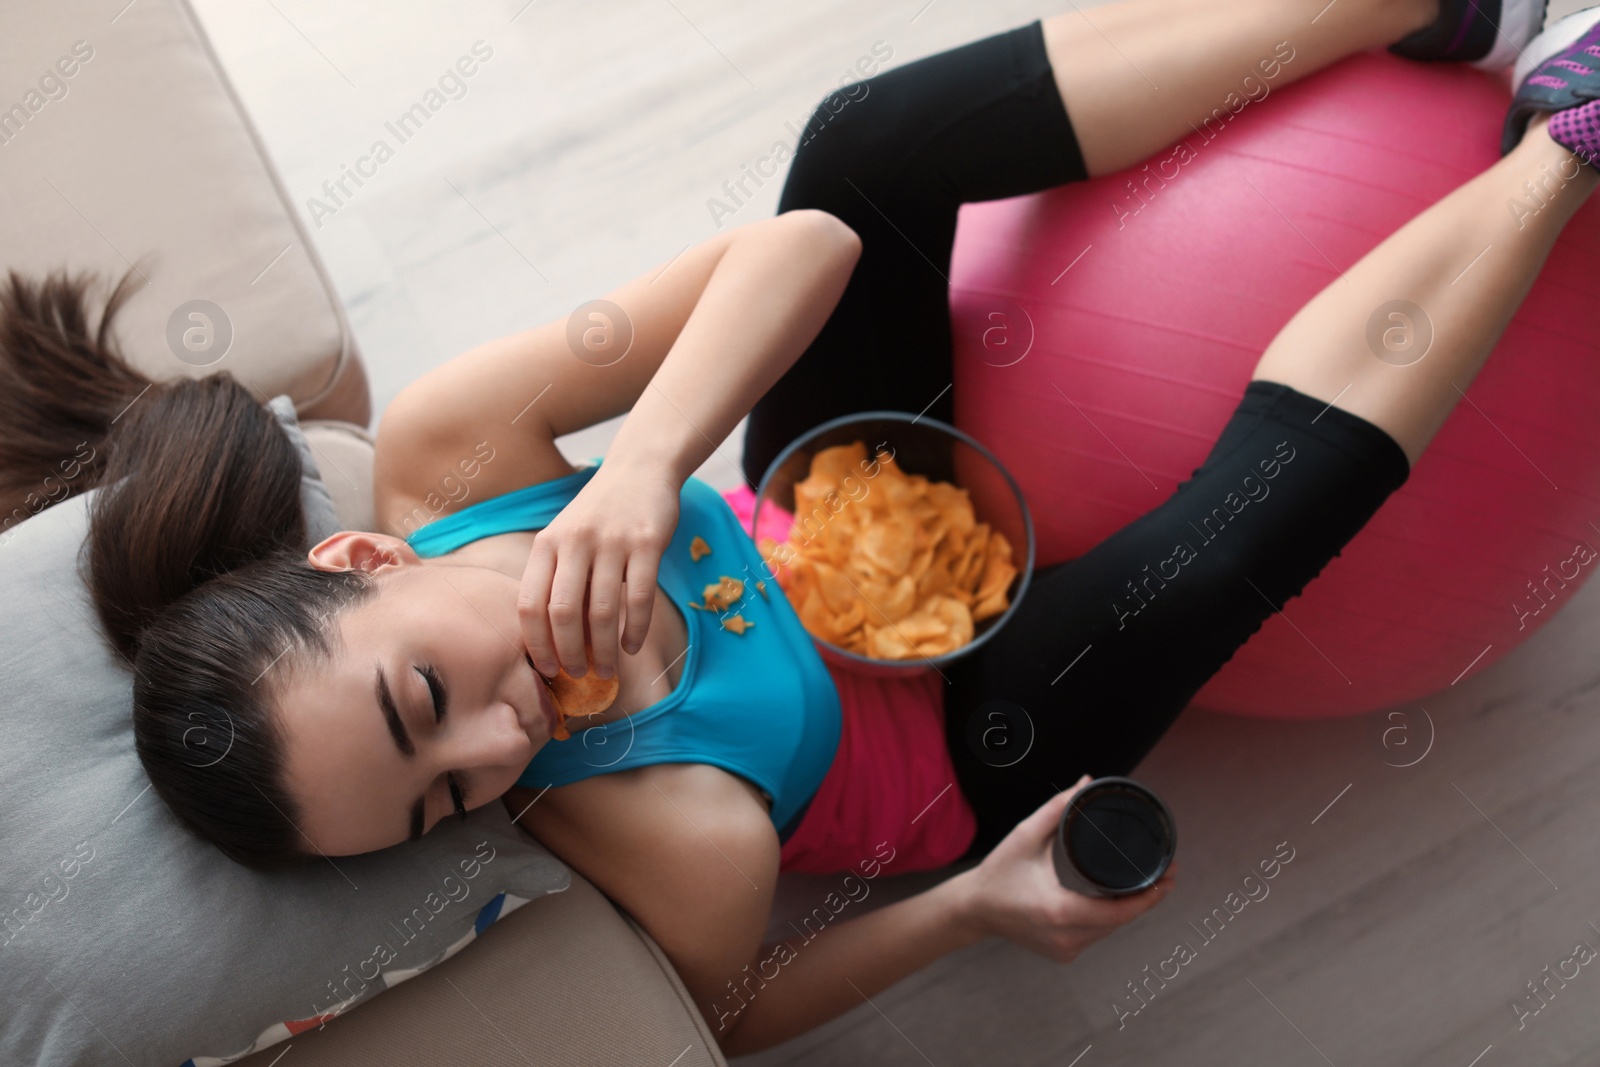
142, 155
343, 453
564, 980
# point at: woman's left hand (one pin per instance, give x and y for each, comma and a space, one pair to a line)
1015, 892
613, 532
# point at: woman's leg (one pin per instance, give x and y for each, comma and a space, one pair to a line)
897, 155
1465, 264
1139, 74
1107, 649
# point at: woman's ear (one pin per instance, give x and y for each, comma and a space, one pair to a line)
351, 550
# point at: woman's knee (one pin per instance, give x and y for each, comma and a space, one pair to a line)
845, 141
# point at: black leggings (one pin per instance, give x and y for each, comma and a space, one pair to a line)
1105, 650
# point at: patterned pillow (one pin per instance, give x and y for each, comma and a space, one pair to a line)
125, 939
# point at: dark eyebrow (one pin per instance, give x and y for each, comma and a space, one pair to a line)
391, 715
402, 741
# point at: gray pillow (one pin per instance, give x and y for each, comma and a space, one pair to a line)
322, 519
123, 939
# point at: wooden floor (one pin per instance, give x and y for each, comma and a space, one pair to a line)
1419, 903
582, 153
1421, 900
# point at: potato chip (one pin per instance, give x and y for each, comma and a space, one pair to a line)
814, 614
837, 550
997, 573
953, 503
838, 592
839, 462
919, 626
971, 556
885, 643
957, 619
935, 580
993, 606
901, 600
844, 625
698, 549
720, 597
580, 697
737, 623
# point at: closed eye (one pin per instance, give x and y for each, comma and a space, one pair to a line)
441, 699
441, 708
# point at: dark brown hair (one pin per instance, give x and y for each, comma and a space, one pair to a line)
195, 555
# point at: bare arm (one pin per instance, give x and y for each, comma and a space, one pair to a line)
823, 971
768, 297
710, 331
803, 981
691, 853
522, 391
766, 300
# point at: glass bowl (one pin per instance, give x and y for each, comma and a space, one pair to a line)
920, 445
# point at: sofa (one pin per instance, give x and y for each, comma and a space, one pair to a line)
127, 150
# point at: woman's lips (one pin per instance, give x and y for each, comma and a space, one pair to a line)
547, 705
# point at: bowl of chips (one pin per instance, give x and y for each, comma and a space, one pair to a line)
908, 543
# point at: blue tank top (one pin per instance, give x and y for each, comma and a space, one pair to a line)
760, 704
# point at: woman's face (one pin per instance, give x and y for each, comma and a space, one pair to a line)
369, 755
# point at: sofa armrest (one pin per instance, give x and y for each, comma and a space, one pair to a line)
127, 148
565, 979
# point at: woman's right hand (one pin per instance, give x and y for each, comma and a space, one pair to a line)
1015, 893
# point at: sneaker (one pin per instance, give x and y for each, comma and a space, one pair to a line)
1560, 72
1578, 128
1489, 34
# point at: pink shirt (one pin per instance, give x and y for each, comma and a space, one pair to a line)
891, 778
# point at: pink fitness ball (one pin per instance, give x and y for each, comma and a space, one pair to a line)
1105, 330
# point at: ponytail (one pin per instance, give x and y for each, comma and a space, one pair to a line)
195, 555
61, 387
199, 479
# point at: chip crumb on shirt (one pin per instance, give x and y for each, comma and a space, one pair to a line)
724, 593
698, 549
737, 623
761, 587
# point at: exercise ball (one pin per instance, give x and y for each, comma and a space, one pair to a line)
1105, 330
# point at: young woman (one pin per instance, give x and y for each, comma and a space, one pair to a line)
385, 679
